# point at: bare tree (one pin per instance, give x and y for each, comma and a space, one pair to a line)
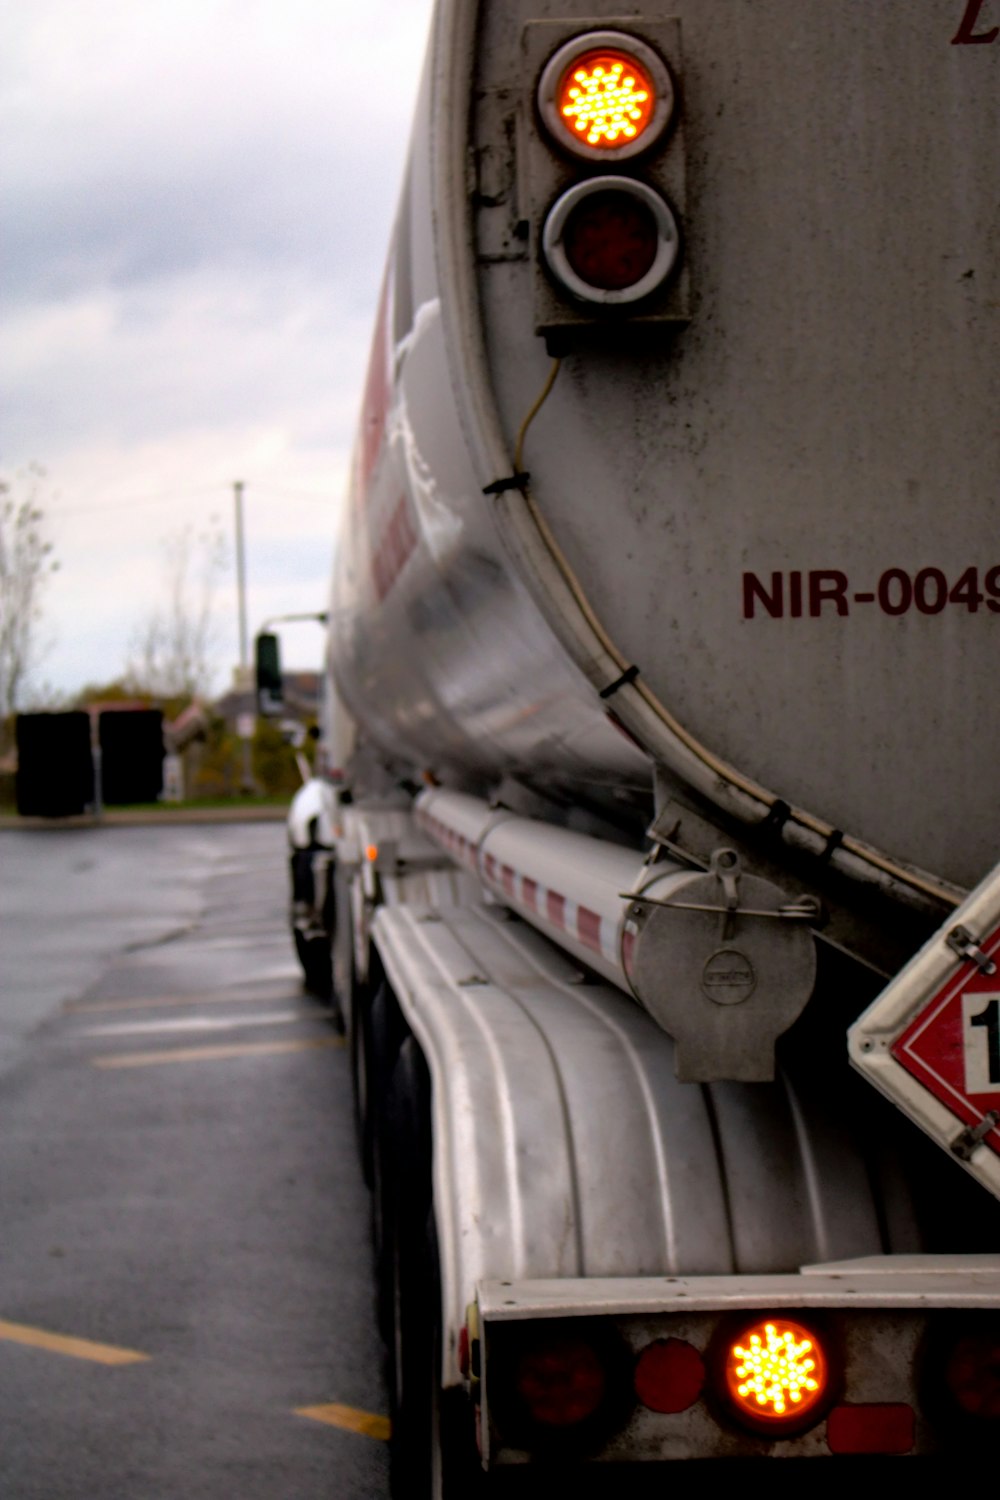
172, 649
26, 564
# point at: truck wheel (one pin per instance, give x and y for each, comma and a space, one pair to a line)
317, 969
432, 1450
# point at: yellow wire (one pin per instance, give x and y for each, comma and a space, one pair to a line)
873, 857
540, 401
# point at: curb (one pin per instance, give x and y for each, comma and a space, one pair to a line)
113, 818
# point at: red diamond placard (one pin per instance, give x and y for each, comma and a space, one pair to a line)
952, 1045
931, 1040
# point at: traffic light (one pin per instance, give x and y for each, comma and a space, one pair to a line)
601, 175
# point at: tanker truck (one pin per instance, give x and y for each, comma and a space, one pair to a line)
659, 873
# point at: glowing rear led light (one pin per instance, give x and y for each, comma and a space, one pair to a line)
606, 94
776, 1373
607, 98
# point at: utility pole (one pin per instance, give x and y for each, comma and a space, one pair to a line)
248, 721
241, 576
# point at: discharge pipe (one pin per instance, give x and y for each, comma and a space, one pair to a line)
724, 962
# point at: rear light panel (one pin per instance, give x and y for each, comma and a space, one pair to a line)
601, 103
716, 1385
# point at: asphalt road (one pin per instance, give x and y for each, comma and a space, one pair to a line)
186, 1294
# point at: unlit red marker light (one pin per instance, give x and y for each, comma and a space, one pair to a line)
776, 1372
607, 99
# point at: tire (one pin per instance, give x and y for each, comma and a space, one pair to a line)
314, 957
432, 1454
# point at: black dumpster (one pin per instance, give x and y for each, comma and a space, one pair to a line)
55, 770
131, 743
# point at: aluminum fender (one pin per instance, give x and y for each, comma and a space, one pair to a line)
565, 1147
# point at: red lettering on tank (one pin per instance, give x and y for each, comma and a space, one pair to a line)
754, 591
827, 585
507, 879
394, 548
967, 35
378, 386
928, 591
529, 893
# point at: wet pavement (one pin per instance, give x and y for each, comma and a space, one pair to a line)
186, 1296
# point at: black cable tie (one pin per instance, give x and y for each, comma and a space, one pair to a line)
776, 819
629, 675
512, 482
833, 843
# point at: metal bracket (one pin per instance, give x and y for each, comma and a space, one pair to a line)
966, 1142
727, 870
961, 941
805, 909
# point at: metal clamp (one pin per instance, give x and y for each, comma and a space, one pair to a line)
961, 941
966, 1142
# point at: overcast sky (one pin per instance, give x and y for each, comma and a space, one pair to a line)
195, 200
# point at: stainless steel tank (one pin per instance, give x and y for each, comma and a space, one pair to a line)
765, 531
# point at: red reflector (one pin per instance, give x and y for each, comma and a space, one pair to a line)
882, 1427
561, 1383
973, 1374
611, 239
669, 1375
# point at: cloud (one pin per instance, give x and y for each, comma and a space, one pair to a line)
197, 197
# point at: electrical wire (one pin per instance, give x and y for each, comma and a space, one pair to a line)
916, 880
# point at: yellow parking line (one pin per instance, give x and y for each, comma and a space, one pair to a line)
208, 997
368, 1423
59, 1343
210, 1054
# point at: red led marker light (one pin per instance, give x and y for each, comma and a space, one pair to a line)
607, 98
669, 1375
775, 1373
610, 240
561, 1383
606, 94
972, 1374
878, 1427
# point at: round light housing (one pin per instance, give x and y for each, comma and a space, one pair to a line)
610, 240
972, 1374
606, 95
776, 1373
561, 1382
669, 1375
